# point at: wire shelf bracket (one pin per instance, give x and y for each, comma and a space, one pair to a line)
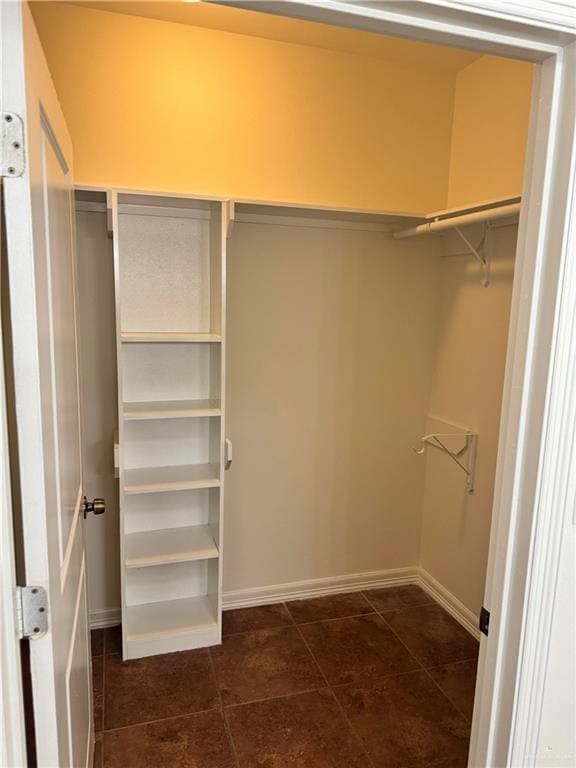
481, 252
463, 456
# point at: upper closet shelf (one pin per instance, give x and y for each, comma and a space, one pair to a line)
454, 218
146, 337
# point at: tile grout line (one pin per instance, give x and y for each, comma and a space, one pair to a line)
397, 636
337, 618
103, 701
103, 690
423, 668
458, 710
223, 710
274, 698
356, 736
160, 720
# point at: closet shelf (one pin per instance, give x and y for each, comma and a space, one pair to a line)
171, 545
170, 617
171, 409
146, 337
174, 478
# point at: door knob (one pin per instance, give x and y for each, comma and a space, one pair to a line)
98, 506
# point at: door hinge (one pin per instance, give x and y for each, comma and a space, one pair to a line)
13, 160
484, 621
31, 611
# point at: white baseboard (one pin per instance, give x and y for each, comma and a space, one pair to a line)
332, 585
104, 617
451, 604
299, 590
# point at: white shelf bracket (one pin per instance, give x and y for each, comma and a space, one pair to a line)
481, 252
464, 456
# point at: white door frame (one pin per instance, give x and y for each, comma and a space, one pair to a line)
533, 492
12, 729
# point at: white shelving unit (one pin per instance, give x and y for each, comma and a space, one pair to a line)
170, 257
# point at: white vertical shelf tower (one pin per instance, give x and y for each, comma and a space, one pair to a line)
170, 278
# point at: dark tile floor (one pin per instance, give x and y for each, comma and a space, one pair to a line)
377, 679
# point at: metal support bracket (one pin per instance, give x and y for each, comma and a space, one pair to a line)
468, 449
13, 159
481, 252
31, 611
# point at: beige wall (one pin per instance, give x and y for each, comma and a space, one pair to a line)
339, 345
331, 338
467, 390
489, 131
164, 106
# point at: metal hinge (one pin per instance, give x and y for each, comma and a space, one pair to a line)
31, 611
13, 161
484, 621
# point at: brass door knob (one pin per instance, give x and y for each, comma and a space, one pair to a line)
97, 506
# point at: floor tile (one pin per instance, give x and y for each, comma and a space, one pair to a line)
196, 741
360, 648
458, 681
113, 642
98, 691
97, 642
406, 722
389, 598
329, 607
260, 617
262, 664
307, 730
157, 687
432, 635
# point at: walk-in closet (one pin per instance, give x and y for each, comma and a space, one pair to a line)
340, 385
295, 259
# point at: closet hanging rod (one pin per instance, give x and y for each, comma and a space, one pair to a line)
489, 214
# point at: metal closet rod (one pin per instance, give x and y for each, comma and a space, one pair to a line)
489, 214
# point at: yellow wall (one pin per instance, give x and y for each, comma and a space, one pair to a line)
165, 106
491, 111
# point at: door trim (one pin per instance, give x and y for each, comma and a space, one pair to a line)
12, 725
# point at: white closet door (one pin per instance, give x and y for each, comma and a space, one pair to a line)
42, 274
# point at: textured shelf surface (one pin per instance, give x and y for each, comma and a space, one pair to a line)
171, 409
170, 617
175, 478
146, 337
171, 545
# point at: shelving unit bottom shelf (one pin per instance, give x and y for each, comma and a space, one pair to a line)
171, 625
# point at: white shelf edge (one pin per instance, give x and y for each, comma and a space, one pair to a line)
197, 543
174, 478
162, 616
145, 337
182, 409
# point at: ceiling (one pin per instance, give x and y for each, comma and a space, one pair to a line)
227, 19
